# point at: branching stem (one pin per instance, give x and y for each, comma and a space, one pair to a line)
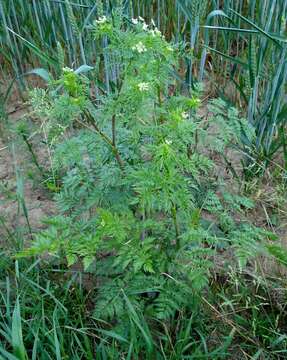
110, 142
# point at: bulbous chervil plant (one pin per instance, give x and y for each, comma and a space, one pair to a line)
139, 199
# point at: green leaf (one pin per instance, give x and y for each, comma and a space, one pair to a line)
112, 335
56, 340
88, 260
279, 253
83, 69
44, 74
139, 323
17, 337
233, 59
256, 27
232, 29
7, 355
35, 49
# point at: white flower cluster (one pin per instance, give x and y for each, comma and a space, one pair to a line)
139, 47
138, 20
184, 115
145, 26
168, 142
155, 32
101, 20
67, 69
143, 86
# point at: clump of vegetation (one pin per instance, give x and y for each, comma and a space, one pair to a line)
149, 242
140, 203
135, 179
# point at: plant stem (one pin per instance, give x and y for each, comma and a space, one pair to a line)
176, 227
110, 142
114, 130
34, 157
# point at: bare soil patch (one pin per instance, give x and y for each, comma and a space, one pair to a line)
15, 158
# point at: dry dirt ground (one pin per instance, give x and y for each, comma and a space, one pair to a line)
38, 202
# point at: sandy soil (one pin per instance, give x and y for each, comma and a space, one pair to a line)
38, 201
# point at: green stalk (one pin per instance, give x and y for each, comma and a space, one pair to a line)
110, 142
176, 226
30, 148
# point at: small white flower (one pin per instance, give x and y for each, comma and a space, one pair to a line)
152, 22
168, 142
139, 47
145, 26
67, 69
184, 115
135, 21
141, 19
157, 31
101, 20
143, 86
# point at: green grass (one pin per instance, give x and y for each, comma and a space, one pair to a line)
42, 316
251, 48
46, 312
